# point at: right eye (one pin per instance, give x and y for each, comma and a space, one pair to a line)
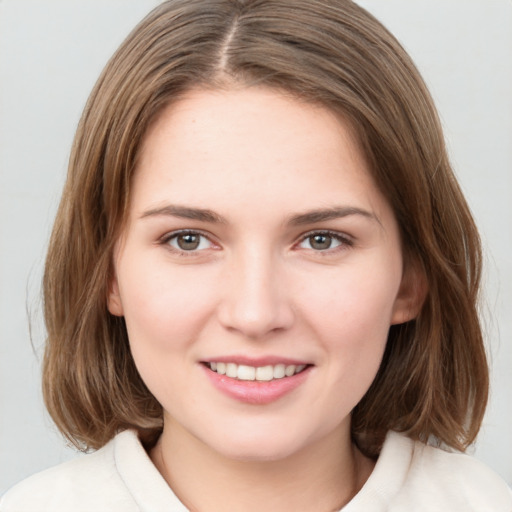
188, 241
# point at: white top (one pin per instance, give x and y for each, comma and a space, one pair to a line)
120, 477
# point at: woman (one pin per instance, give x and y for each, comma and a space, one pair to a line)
260, 291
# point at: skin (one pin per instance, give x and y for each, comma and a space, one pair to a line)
258, 285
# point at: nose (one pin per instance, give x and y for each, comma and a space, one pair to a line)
255, 301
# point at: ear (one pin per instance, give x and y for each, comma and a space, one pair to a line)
411, 294
114, 304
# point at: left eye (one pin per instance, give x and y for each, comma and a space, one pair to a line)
189, 241
321, 242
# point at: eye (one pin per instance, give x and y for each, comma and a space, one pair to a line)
323, 241
188, 241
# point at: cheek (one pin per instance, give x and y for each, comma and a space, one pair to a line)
164, 313
350, 301
350, 311
160, 300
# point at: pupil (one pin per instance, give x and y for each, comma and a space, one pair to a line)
320, 242
188, 242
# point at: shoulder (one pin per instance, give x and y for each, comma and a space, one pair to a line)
449, 481
90, 482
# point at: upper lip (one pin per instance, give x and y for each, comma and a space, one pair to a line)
256, 361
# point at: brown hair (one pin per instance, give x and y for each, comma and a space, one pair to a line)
433, 380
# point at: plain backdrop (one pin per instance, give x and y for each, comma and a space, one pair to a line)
51, 53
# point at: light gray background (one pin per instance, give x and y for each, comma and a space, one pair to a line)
51, 53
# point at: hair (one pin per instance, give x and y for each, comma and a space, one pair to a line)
433, 379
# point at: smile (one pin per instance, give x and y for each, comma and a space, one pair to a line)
259, 383
252, 373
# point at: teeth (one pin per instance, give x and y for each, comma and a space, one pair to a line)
231, 370
289, 370
246, 372
260, 373
279, 371
265, 373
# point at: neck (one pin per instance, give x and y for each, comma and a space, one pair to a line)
323, 476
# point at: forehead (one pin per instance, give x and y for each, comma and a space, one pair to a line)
224, 149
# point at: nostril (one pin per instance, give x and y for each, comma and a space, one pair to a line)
256, 322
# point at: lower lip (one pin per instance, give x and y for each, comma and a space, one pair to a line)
256, 392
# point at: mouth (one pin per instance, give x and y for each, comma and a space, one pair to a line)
265, 373
256, 382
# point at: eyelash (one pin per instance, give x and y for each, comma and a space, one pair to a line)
344, 241
166, 239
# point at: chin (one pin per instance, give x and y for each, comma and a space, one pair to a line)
258, 447
260, 453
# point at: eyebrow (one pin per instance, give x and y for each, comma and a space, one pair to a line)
325, 214
300, 219
186, 212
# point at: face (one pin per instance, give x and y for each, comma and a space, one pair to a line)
259, 272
